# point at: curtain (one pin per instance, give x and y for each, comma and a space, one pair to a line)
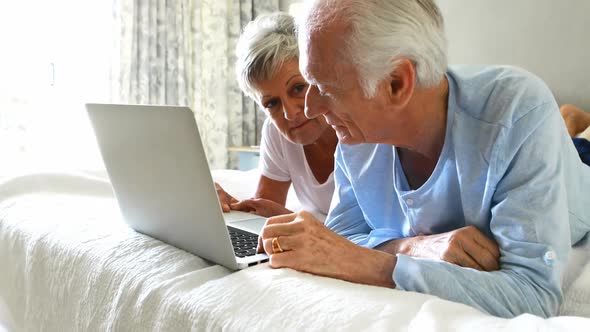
183, 53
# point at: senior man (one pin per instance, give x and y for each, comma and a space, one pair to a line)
425, 149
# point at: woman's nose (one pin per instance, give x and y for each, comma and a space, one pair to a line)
291, 109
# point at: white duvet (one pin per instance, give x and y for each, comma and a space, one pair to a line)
69, 263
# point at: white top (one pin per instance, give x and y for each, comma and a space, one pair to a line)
282, 160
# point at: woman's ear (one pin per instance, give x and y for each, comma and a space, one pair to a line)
402, 82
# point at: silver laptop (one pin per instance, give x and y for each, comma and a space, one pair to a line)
159, 172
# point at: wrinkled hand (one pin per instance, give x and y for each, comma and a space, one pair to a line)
260, 206
225, 199
467, 247
311, 247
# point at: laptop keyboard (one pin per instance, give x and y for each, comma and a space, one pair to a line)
244, 242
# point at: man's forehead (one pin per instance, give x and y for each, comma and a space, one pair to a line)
327, 71
317, 61
321, 57
318, 71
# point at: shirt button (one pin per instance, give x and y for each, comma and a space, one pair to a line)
549, 257
409, 201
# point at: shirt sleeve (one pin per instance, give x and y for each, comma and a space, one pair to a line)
529, 220
345, 216
272, 162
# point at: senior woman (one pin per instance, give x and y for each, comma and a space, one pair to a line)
294, 149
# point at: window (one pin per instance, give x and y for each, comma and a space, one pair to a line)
59, 59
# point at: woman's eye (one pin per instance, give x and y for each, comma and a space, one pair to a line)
270, 104
298, 88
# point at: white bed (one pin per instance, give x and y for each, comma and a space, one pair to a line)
69, 263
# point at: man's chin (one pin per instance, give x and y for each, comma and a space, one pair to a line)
346, 138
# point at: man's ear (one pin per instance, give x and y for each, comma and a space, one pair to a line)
402, 82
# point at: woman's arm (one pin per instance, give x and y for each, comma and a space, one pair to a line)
273, 190
269, 199
271, 195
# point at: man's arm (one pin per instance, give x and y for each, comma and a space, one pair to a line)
466, 247
303, 243
529, 220
310, 246
329, 249
345, 216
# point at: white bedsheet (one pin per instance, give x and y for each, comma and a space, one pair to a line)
68, 262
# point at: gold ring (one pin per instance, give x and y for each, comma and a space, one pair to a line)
276, 245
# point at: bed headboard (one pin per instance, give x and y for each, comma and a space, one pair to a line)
547, 37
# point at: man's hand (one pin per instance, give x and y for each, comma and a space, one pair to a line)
303, 243
260, 206
225, 199
467, 247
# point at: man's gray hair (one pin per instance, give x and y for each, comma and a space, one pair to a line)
264, 46
383, 31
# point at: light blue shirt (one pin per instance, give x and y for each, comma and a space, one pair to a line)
507, 167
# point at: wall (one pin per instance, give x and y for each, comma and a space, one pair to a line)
549, 38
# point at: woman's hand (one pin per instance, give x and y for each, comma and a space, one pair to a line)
260, 206
225, 199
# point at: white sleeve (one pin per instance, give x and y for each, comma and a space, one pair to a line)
273, 163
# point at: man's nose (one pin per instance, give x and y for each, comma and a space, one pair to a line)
313, 103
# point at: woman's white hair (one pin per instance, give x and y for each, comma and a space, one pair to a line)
264, 46
382, 32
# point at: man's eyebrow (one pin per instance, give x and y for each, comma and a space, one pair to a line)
330, 84
315, 82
